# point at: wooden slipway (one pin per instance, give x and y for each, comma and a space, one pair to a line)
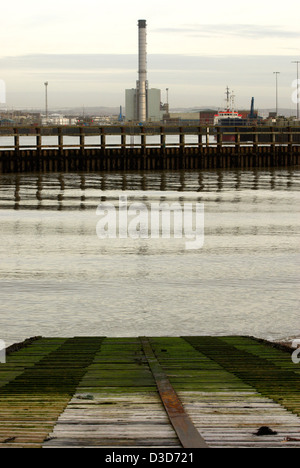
189, 392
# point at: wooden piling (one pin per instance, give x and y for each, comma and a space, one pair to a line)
249, 147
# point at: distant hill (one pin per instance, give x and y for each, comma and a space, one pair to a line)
184, 110
90, 111
263, 112
282, 111
99, 111
77, 110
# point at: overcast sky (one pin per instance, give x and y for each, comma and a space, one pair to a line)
87, 50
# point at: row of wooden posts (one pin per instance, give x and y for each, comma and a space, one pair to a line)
243, 147
236, 135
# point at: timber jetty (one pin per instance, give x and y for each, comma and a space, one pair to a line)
150, 392
124, 148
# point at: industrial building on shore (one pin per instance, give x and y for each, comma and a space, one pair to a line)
155, 110
143, 104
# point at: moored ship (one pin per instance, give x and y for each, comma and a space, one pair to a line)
228, 118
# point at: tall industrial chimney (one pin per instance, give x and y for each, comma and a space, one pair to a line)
142, 84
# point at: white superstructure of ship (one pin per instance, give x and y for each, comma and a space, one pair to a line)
228, 116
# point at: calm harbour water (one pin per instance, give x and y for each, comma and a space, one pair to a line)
57, 278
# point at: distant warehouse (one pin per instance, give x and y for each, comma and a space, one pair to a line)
205, 117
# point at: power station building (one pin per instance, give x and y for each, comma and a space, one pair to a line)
141, 103
154, 108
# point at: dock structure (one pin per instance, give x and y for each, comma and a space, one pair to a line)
147, 148
159, 392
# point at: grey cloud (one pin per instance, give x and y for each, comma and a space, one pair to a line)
249, 31
191, 79
106, 63
69, 62
172, 70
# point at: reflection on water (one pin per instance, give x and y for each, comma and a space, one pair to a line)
57, 278
82, 191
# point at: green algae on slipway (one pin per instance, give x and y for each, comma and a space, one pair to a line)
102, 392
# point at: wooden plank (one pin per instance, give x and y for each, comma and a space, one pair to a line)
269, 377
114, 420
116, 403
31, 401
227, 423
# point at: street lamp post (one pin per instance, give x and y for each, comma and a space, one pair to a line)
297, 62
276, 74
46, 100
